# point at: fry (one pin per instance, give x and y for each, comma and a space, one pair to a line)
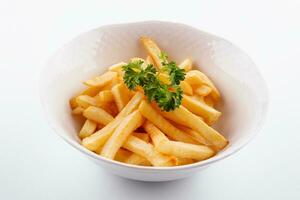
104, 96
194, 122
186, 65
87, 129
200, 108
147, 151
122, 155
172, 116
121, 95
153, 50
149, 60
186, 88
136, 159
175, 148
195, 77
96, 140
91, 91
194, 134
185, 161
78, 110
98, 115
117, 68
142, 136
73, 103
209, 101
203, 90
152, 115
85, 101
102, 80
127, 126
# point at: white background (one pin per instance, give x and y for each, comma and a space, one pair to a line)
36, 164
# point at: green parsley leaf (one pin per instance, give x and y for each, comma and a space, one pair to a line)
168, 97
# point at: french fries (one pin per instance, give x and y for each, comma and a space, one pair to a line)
104, 96
78, 110
102, 80
96, 140
153, 50
152, 115
172, 128
186, 65
200, 108
195, 77
127, 126
98, 115
175, 148
194, 122
146, 150
121, 95
87, 129
203, 90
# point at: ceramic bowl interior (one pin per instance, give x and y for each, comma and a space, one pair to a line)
243, 90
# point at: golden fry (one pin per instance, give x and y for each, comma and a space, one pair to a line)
127, 126
87, 129
152, 115
102, 80
97, 140
98, 115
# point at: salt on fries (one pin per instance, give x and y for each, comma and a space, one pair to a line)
125, 124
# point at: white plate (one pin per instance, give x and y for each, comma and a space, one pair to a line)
243, 90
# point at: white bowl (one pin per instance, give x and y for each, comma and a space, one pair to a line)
242, 87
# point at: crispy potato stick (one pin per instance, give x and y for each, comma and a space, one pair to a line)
111, 108
96, 140
200, 108
117, 68
87, 129
142, 136
152, 115
98, 115
147, 151
175, 148
102, 80
186, 65
209, 101
136, 159
121, 95
91, 91
104, 96
186, 88
153, 50
121, 155
195, 77
149, 60
203, 90
73, 103
194, 122
185, 161
85, 101
100, 126
127, 126
172, 116
194, 134
78, 110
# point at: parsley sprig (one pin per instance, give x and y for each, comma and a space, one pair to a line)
167, 96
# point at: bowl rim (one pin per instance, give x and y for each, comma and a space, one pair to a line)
90, 154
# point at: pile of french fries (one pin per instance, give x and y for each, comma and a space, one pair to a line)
122, 125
